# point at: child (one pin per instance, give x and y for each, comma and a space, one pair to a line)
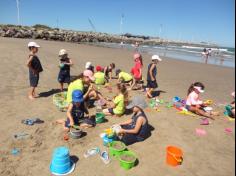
124, 77
137, 70
65, 64
89, 66
136, 129
117, 106
108, 71
35, 68
151, 76
230, 109
76, 112
99, 76
84, 81
193, 102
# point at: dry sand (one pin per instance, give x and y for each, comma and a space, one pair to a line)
210, 155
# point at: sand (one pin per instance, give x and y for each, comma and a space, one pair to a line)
208, 155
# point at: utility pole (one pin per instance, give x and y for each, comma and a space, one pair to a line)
121, 24
18, 11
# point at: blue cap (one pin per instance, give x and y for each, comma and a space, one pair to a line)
77, 96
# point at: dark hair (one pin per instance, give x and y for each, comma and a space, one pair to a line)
141, 60
198, 84
31, 47
118, 72
123, 90
113, 65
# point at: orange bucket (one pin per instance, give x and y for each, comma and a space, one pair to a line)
174, 156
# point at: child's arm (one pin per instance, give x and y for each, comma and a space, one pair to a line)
126, 122
138, 126
110, 75
29, 64
70, 62
150, 72
69, 114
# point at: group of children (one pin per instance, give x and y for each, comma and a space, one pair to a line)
82, 90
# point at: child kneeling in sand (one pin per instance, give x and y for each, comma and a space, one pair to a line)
194, 104
124, 77
117, 106
76, 112
108, 71
99, 76
136, 129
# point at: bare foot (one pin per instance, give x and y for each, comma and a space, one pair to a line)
31, 97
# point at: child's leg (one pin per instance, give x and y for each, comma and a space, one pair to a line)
32, 93
61, 86
107, 112
149, 92
201, 112
129, 139
63, 122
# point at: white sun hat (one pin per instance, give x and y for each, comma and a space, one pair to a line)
156, 57
33, 44
88, 65
199, 89
62, 52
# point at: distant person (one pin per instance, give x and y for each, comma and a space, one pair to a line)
99, 76
89, 66
65, 63
35, 68
205, 54
137, 128
151, 76
136, 47
193, 102
137, 70
108, 71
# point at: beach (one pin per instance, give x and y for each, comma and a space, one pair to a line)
213, 154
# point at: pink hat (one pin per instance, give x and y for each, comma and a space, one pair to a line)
89, 74
137, 55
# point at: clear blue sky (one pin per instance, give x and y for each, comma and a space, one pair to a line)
198, 20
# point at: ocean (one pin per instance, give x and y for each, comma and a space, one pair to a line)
222, 56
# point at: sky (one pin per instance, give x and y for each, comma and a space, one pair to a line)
187, 20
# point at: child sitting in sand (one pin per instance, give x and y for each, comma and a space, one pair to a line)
65, 64
117, 106
151, 76
108, 71
230, 109
135, 129
35, 68
137, 70
194, 104
99, 76
76, 112
124, 77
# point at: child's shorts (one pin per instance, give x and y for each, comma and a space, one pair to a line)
34, 79
152, 84
111, 111
64, 77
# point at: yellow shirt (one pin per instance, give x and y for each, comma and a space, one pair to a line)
99, 78
119, 102
125, 76
76, 85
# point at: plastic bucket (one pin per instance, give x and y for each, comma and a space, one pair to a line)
176, 99
61, 163
125, 164
114, 151
100, 117
174, 156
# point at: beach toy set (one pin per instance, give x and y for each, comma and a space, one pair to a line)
108, 137
59, 100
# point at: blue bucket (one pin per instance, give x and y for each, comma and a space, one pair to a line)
61, 163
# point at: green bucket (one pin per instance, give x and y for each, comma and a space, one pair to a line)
115, 152
127, 160
100, 117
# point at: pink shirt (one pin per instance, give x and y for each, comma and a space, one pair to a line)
136, 70
193, 99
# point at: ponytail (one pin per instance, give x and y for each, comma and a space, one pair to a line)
198, 84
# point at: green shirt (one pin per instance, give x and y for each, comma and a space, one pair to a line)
119, 102
125, 76
99, 78
76, 85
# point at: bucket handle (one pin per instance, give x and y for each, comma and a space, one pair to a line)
178, 160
